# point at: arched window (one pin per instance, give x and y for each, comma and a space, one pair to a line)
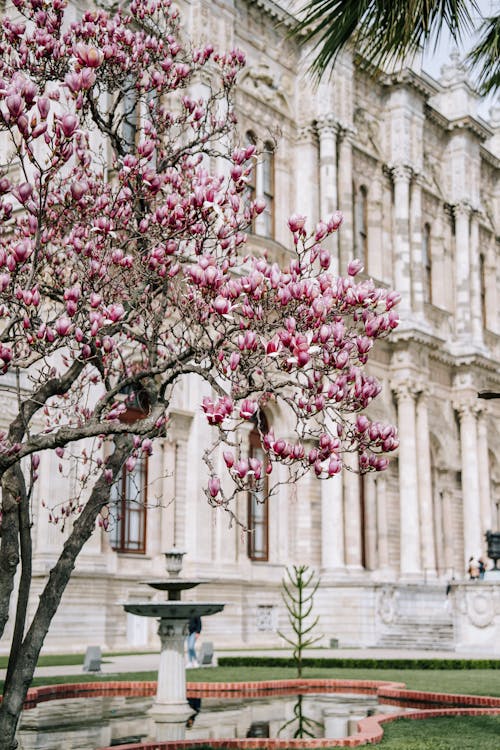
427, 263
128, 496
258, 511
268, 189
361, 224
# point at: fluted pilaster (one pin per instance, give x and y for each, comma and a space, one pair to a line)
401, 175
332, 524
410, 560
467, 412
425, 485
328, 129
346, 235
462, 213
484, 471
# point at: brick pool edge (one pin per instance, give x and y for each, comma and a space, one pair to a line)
369, 729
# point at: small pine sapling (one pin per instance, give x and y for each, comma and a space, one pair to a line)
298, 596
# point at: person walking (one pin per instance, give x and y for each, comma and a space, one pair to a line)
194, 630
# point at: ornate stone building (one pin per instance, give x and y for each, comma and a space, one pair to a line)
415, 171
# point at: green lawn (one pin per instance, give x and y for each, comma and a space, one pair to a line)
469, 681
445, 733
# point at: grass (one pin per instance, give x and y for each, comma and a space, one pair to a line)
443, 733
472, 681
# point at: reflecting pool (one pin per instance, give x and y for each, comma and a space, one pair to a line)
92, 723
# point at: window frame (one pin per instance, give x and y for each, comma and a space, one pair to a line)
427, 262
254, 448
123, 504
268, 186
361, 223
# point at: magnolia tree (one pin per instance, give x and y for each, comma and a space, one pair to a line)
123, 268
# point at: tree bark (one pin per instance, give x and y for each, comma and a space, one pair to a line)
9, 544
16, 690
23, 590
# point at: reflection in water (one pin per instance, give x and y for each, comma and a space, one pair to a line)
195, 704
305, 725
90, 723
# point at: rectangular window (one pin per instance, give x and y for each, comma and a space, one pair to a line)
268, 190
128, 509
258, 518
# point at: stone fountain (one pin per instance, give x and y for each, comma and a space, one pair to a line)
170, 705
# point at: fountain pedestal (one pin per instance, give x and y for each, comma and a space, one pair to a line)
171, 708
171, 690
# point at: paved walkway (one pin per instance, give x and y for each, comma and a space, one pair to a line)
149, 662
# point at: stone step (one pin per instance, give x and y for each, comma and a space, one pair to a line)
418, 635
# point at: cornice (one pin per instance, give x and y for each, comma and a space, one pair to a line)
422, 83
274, 11
474, 125
488, 157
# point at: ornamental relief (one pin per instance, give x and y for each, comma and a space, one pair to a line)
388, 604
368, 130
481, 606
261, 82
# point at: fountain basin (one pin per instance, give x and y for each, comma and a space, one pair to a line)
174, 610
174, 584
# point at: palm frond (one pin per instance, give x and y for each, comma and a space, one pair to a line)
382, 31
485, 56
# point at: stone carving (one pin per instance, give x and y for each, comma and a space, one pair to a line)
388, 604
368, 128
265, 84
480, 608
432, 173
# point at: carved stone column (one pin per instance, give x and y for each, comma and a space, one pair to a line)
410, 562
417, 266
425, 486
382, 528
448, 538
401, 176
484, 472
490, 278
306, 199
352, 516
467, 413
346, 234
462, 268
370, 521
332, 524
327, 128
476, 312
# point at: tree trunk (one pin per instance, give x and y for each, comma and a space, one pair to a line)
23, 591
9, 545
27, 657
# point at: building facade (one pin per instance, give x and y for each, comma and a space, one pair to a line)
415, 171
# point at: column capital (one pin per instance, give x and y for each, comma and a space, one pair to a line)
401, 172
327, 125
306, 134
466, 407
406, 388
462, 208
346, 131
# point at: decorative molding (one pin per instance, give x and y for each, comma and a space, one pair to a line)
401, 172
265, 84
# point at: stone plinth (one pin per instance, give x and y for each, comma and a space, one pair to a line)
476, 616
